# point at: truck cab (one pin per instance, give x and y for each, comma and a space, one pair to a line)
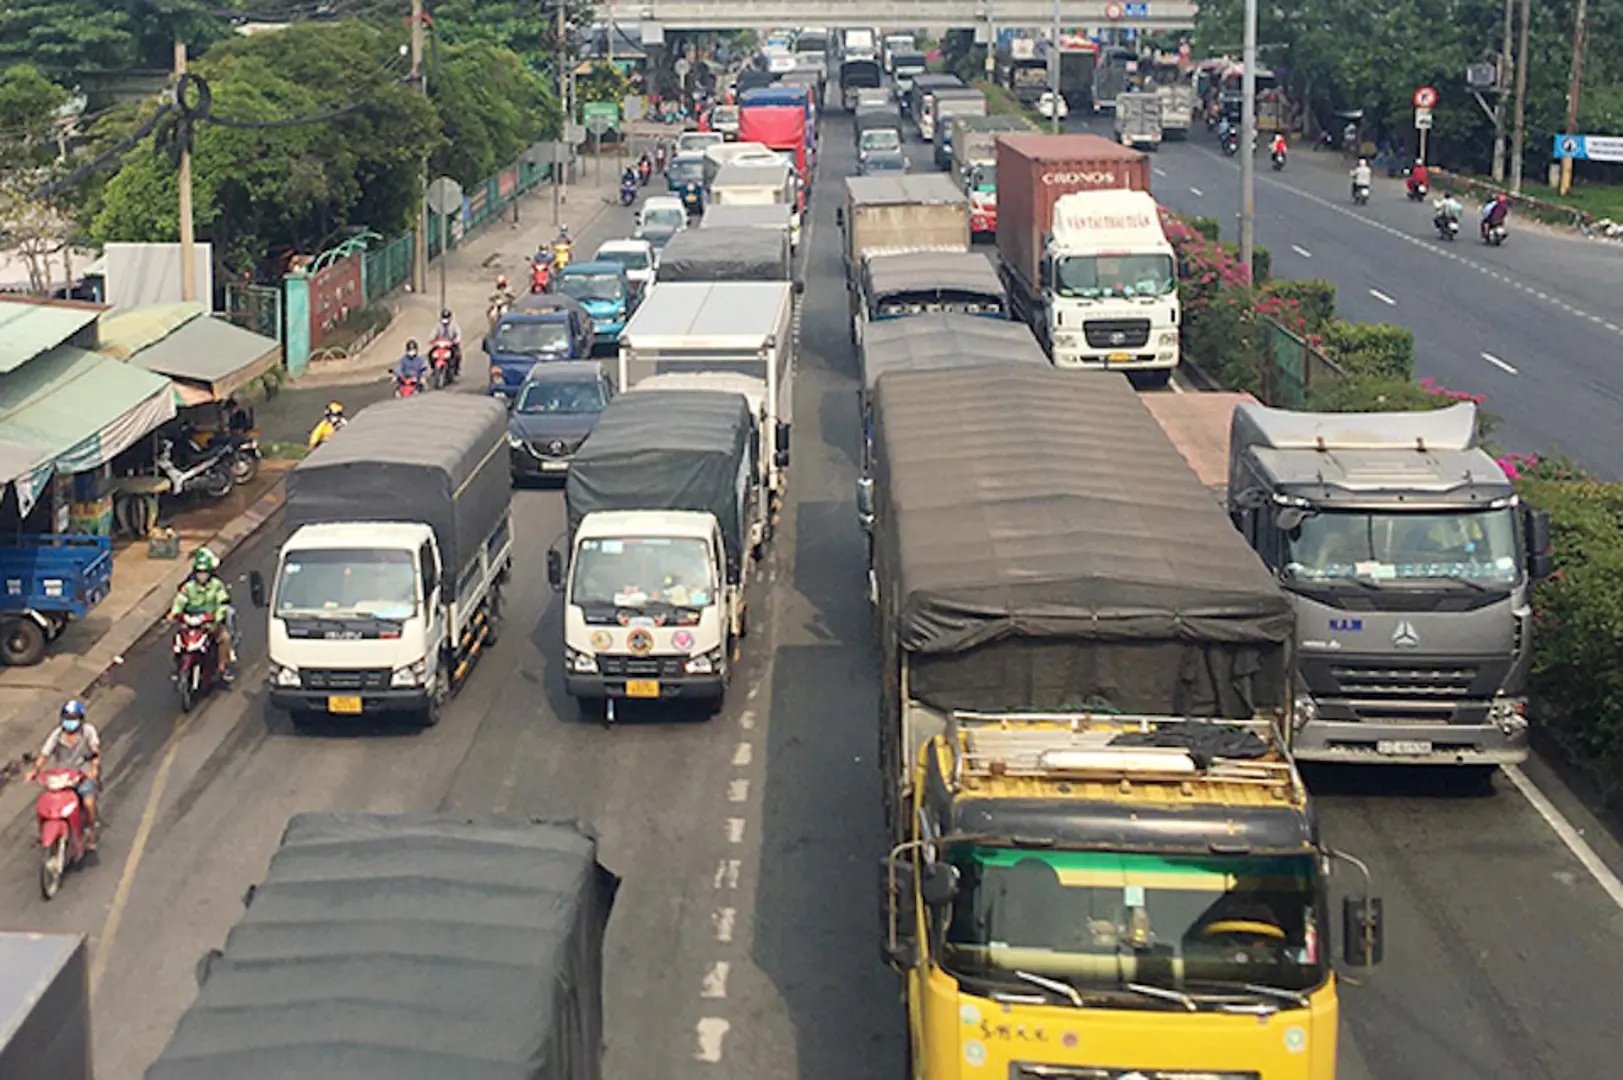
661, 217
604, 289
684, 178
540, 327
908, 285
878, 134
1410, 562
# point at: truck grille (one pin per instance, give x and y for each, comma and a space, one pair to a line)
640, 667
1117, 333
1385, 682
1089, 1072
554, 448
330, 679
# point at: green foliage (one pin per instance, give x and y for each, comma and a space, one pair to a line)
1316, 297
28, 105
63, 36
492, 108
1209, 227
1377, 350
1373, 394
1224, 340
604, 82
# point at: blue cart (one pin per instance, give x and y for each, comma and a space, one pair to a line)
45, 583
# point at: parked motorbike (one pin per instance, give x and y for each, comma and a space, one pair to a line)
244, 458
211, 473
63, 840
444, 362
1360, 194
408, 386
196, 653
1447, 226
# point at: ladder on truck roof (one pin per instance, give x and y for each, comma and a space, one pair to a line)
1077, 746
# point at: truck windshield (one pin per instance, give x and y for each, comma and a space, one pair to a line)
592, 286
1100, 920
340, 583
881, 139
984, 178
641, 572
531, 338
1091, 277
1478, 546
686, 172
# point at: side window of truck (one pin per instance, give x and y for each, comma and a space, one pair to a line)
431, 575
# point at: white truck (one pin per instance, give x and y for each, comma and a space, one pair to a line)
752, 183
389, 587
742, 327
662, 507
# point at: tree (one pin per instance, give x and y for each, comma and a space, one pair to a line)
31, 228
91, 35
604, 82
491, 108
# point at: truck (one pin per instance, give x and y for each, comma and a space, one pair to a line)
858, 74
974, 163
920, 91
50, 581
894, 45
759, 184
1409, 560
889, 215
1087, 262
948, 104
664, 527
538, 327
876, 129
744, 327
388, 589
1078, 60
779, 127
1112, 74
1085, 709
905, 286
858, 43
45, 1006
906, 67
738, 253
1174, 84
755, 395
1026, 78
776, 218
389, 946
1137, 121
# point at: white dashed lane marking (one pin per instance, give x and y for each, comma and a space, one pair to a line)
1500, 364
1383, 298
1302, 251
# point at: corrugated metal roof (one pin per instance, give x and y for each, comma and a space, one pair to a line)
214, 352
126, 331
81, 407
30, 328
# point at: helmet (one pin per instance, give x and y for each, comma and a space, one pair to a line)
335, 408
73, 714
204, 561
1362, 163
445, 316
563, 230
501, 281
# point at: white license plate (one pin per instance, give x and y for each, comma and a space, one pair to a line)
1403, 748
554, 466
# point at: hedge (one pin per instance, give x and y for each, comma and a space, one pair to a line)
1315, 296
1377, 350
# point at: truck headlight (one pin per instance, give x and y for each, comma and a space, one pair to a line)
580, 663
284, 676
704, 664
1169, 337
1303, 712
1065, 341
410, 676
514, 441
1508, 715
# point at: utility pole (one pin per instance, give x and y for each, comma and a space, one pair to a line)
560, 169
1522, 64
1575, 86
1248, 138
188, 236
1054, 71
1499, 103
419, 248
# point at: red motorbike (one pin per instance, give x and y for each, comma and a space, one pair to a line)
62, 837
408, 386
540, 276
196, 657
444, 361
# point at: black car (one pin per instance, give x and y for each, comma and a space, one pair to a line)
551, 415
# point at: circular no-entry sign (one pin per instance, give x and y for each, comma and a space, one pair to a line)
1114, 12
1425, 97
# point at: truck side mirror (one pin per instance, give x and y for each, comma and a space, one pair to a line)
800, 287
256, 588
1540, 556
1363, 941
897, 947
781, 445
865, 503
555, 569
839, 216
940, 884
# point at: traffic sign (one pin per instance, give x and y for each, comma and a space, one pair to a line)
1183, 50
445, 196
1422, 119
1113, 12
1425, 98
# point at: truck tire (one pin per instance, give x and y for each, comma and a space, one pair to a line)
22, 642
593, 710
436, 700
493, 617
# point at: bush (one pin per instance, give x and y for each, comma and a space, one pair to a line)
1315, 297
1377, 350
1262, 260
1207, 227
1224, 341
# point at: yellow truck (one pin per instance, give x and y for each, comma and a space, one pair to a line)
1105, 865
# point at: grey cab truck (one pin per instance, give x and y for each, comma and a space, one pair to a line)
907, 285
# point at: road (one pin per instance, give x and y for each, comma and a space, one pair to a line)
745, 941
1534, 326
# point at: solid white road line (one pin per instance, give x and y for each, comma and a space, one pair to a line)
1158, 171
1199, 194
1500, 364
1569, 835
1302, 251
1383, 298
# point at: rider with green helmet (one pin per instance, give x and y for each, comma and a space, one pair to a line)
203, 592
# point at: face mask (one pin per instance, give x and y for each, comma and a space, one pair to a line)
70, 726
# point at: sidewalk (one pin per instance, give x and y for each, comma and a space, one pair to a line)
501, 247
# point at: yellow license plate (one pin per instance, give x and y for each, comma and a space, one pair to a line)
1118, 358
350, 705
642, 688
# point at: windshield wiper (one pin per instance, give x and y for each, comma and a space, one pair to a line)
1164, 994
1053, 985
1295, 997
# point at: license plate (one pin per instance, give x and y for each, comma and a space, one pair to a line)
1402, 748
347, 705
644, 688
554, 466
1118, 358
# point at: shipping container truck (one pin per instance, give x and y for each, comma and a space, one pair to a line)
407, 947
1098, 281
45, 1006
1086, 709
389, 588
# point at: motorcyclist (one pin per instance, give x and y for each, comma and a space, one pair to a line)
562, 247
74, 744
503, 295
330, 421
204, 592
1419, 179
629, 177
1494, 213
1448, 208
449, 330
645, 167
1277, 147
413, 365
1362, 177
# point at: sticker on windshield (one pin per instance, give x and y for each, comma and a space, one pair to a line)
612, 547
1132, 896
1375, 571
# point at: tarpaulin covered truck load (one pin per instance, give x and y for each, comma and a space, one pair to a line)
44, 1006
408, 947
735, 253
890, 215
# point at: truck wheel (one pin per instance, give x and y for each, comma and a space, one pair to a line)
22, 642
592, 709
436, 700
493, 618
1152, 380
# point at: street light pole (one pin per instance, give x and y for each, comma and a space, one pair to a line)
1248, 138
1053, 73
1523, 61
1507, 57
183, 180
419, 247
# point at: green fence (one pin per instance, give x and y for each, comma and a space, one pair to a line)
1292, 368
255, 307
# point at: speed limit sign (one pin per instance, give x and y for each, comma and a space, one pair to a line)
1425, 97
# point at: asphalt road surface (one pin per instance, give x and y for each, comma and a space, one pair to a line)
745, 941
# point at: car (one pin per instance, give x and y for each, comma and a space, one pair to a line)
539, 327
684, 178
551, 414
604, 290
1047, 104
638, 257
695, 142
661, 217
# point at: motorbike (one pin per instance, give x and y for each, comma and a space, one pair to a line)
628, 191
1230, 143
540, 276
408, 386
645, 171
444, 362
1279, 160
1447, 226
63, 838
1418, 192
561, 251
1360, 194
1494, 235
196, 657
211, 473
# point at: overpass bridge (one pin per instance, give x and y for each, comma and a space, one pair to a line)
1147, 16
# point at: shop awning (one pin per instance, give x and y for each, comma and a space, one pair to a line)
207, 357
70, 411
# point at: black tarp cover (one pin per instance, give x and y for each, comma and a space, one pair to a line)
439, 459
407, 947
918, 271
727, 253
1040, 544
944, 339
668, 450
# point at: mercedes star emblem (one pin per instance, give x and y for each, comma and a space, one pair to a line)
1404, 637
556, 446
